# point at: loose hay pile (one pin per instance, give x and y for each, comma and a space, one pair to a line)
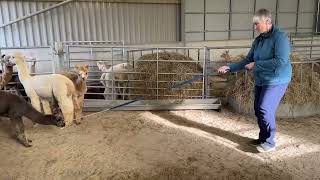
302, 89
146, 71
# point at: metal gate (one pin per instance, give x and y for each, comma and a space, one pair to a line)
115, 76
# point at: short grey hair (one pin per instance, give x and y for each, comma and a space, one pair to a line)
262, 15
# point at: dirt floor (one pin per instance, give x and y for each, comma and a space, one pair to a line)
162, 145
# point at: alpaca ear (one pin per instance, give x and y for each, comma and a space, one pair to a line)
86, 66
76, 66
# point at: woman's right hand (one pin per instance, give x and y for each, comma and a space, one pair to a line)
224, 69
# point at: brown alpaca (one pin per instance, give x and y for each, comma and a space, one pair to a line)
78, 78
7, 74
15, 107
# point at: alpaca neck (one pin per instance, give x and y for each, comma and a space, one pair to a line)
6, 76
9, 70
23, 71
36, 116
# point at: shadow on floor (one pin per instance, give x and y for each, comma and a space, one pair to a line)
244, 142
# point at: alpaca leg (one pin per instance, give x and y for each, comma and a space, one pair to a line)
46, 107
18, 131
66, 106
107, 93
35, 101
80, 101
77, 110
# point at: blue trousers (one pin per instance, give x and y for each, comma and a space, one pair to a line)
266, 101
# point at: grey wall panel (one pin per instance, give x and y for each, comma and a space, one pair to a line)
269, 4
194, 22
304, 20
217, 22
242, 5
287, 20
288, 5
212, 36
241, 34
217, 5
307, 5
194, 37
133, 23
241, 21
194, 6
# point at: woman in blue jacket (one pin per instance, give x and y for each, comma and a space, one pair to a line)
269, 58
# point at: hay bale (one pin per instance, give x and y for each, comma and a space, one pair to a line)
301, 90
146, 71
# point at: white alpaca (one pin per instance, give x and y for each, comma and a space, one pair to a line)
42, 88
116, 73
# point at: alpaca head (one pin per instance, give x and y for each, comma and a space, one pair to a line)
17, 58
58, 121
82, 71
6, 60
102, 66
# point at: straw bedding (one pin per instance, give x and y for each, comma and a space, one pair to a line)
302, 89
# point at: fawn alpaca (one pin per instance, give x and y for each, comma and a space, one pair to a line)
78, 78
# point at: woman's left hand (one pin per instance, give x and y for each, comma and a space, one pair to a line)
249, 66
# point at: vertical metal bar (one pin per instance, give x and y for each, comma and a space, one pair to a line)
204, 19
31, 26
18, 27
198, 55
50, 13
112, 74
37, 18
3, 29
132, 54
276, 16
311, 45
10, 27
317, 21
205, 73
46, 34
312, 72
53, 64
301, 76
24, 25
157, 73
254, 11
68, 59
297, 16
230, 19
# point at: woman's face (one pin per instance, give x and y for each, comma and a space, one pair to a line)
261, 26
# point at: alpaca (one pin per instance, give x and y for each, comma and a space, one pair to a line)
15, 107
41, 88
116, 72
7, 74
79, 78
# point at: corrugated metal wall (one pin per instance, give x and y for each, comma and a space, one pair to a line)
133, 23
